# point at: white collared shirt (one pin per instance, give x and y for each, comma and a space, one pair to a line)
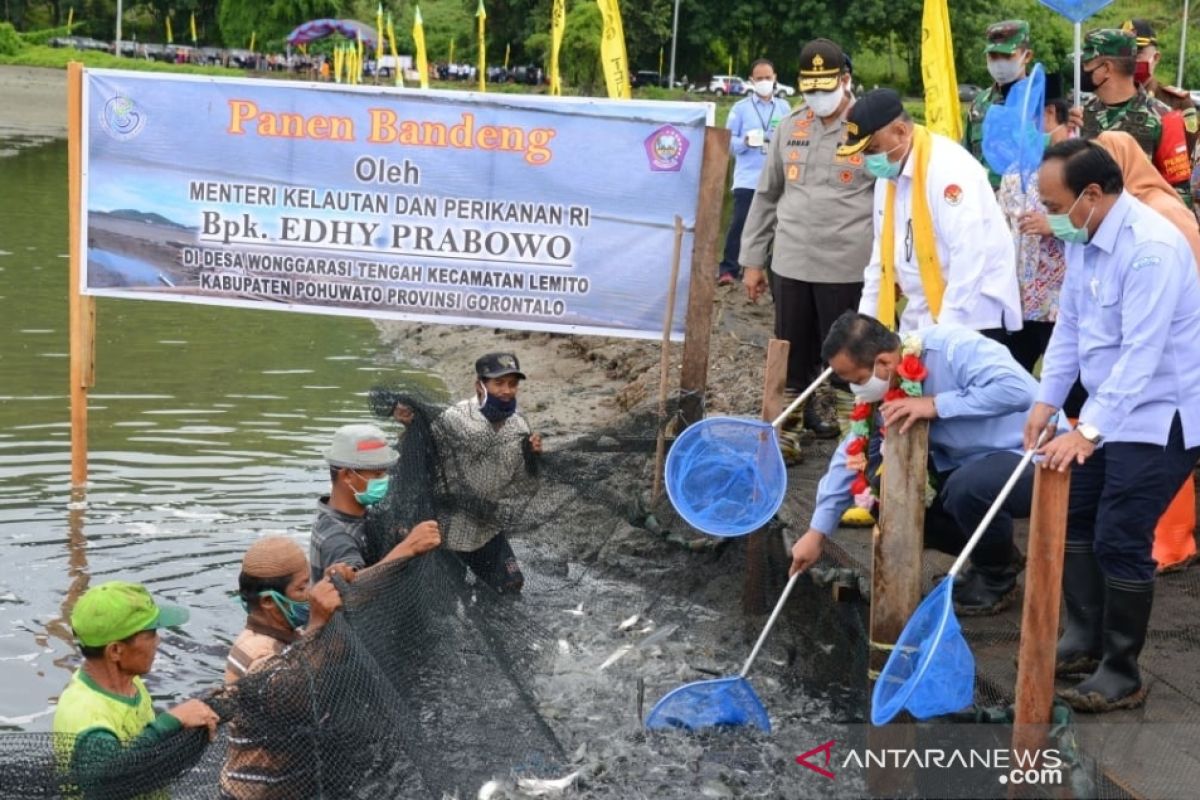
973, 242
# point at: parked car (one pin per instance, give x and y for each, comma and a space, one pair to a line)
727, 84
783, 90
967, 92
80, 43
647, 77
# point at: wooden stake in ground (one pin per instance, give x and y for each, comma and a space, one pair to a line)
664, 365
1039, 615
693, 380
897, 543
81, 311
755, 585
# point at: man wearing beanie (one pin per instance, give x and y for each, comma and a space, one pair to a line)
359, 457
280, 604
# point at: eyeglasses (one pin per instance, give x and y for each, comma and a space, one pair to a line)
908, 241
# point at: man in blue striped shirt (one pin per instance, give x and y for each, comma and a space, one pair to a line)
1129, 327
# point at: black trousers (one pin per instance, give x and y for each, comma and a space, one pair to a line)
963, 499
804, 313
733, 237
495, 564
1118, 495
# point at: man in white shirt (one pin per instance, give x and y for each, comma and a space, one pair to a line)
940, 236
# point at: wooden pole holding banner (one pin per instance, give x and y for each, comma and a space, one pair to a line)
754, 585
81, 310
897, 542
664, 365
1039, 615
694, 378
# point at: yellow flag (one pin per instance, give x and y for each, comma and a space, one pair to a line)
379, 33
451, 59
481, 15
558, 24
506, 56
942, 114
730, 70
337, 64
193, 27
419, 40
660, 60
70, 18
612, 50
358, 56
170, 38
391, 32
253, 34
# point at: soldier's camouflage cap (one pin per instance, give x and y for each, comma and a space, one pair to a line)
1007, 37
1110, 42
1142, 31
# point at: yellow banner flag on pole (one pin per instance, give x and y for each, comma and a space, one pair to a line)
379, 34
339, 54
193, 27
70, 18
506, 49
419, 39
612, 50
558, 24
451, 59
253, 36
170, 38
358, 55
481, 15
391, 32
942, 113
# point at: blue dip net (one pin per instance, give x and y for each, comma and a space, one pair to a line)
710, 704
725, 476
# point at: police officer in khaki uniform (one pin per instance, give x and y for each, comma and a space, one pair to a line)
812, 213
1148, 57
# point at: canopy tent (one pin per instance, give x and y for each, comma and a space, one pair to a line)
316, 29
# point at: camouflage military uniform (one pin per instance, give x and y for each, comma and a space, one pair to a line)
1144, 118
1175, 98
1005, 39
1158, 130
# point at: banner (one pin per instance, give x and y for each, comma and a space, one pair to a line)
612, 51
558, 25
942, 112
513, 211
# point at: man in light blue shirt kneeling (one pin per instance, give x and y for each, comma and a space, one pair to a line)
976, 398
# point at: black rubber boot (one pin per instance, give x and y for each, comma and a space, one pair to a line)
1117, 682
815, 423
1081, 644
988, 585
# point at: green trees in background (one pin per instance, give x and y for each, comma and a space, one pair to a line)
883, 36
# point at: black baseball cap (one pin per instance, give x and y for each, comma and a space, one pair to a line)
874, 110
821, 64
494, 365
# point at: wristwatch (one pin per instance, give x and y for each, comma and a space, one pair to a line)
1089, 432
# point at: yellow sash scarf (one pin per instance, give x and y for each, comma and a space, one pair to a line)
922, 225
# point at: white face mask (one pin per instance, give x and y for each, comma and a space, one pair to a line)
872, 391
824, 104
765, 87
1006, 70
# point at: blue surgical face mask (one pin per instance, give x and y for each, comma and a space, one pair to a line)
1062, 227
496, 410
294, 611
377, 489
881, 166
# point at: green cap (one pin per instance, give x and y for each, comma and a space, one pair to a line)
1007, 37
1110, 42
117, 610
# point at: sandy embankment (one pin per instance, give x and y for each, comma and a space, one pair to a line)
33, 102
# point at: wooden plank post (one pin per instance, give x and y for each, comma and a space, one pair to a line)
897, 542
693, 380
81, 310
664, 364
1039, 614
754, 587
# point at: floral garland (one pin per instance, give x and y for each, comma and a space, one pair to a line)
912, 372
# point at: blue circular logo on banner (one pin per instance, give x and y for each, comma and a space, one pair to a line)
121, 118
